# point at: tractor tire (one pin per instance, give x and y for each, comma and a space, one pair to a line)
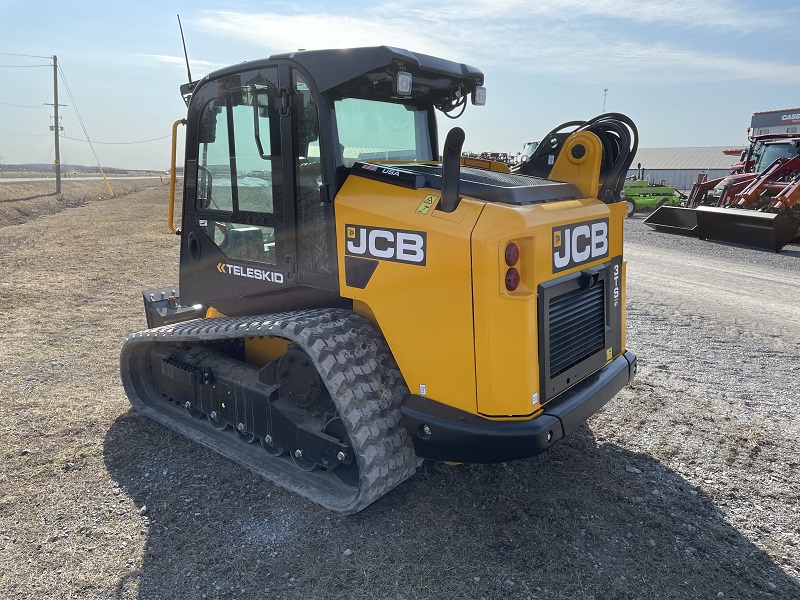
631, 207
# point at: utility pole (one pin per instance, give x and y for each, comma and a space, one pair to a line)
56, 127
605, 91
57, 124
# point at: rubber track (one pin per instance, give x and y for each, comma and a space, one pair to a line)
358, 369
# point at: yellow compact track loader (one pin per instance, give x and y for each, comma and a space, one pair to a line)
351, 303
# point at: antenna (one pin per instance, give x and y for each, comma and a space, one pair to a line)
183, 39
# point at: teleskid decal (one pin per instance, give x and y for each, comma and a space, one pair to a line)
579, 243
250, 273
395, 245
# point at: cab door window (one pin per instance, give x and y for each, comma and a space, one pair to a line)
239, 191
312, 235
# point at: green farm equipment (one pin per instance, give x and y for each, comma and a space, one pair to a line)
642, 194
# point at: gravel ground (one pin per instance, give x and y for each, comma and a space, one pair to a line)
684, 486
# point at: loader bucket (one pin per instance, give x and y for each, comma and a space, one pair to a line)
765, 231
673, 219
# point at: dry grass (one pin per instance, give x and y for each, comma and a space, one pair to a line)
98, 502
21, 202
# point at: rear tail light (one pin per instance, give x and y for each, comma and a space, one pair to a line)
512, 254
512, 279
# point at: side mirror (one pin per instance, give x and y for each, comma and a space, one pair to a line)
208, 125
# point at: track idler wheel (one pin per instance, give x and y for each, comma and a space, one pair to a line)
298, 378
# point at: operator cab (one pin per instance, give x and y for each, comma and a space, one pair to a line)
768, 152
269, 144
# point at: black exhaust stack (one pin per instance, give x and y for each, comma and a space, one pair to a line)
451, 169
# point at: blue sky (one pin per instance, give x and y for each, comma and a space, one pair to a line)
688, 73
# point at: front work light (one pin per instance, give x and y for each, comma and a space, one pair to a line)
402, 83
479, 96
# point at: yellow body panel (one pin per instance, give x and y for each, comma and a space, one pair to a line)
458, 335
424, 312
506, 323
579, 163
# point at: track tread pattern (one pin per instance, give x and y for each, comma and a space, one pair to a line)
358, 369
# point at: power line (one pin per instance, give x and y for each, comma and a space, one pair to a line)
22, 105
75, 107
117, 143
25, 134
57, 65
25, 55
22, 66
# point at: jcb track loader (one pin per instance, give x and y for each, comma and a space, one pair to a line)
350, 303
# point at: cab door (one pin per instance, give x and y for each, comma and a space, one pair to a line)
239, 238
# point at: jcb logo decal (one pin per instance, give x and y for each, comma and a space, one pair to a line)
396, 245
574, 245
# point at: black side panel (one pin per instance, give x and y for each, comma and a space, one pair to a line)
358, 271
294, 298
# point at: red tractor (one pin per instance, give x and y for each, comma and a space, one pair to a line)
713, 210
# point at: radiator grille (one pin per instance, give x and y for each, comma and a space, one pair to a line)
577, 327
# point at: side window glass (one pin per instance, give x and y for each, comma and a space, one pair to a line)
239, 167
213, 165
312, 237
257, 162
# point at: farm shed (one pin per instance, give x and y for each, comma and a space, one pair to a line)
679, 167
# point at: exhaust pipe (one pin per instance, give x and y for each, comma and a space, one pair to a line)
451, 169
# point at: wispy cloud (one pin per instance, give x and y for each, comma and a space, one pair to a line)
563, 38
652, 63
164, 59
315, 31
726, 14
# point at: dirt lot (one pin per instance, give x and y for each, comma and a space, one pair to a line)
685, 486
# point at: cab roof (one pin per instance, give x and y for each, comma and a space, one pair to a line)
330, 68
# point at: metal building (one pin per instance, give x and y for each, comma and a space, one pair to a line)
680, 167
775, 121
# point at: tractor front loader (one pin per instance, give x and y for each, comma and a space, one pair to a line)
763, 215
706, 213
352, 302
705, 192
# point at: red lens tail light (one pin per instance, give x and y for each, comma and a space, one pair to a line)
512, 254
512, 279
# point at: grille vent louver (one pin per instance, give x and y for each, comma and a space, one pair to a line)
577, 327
